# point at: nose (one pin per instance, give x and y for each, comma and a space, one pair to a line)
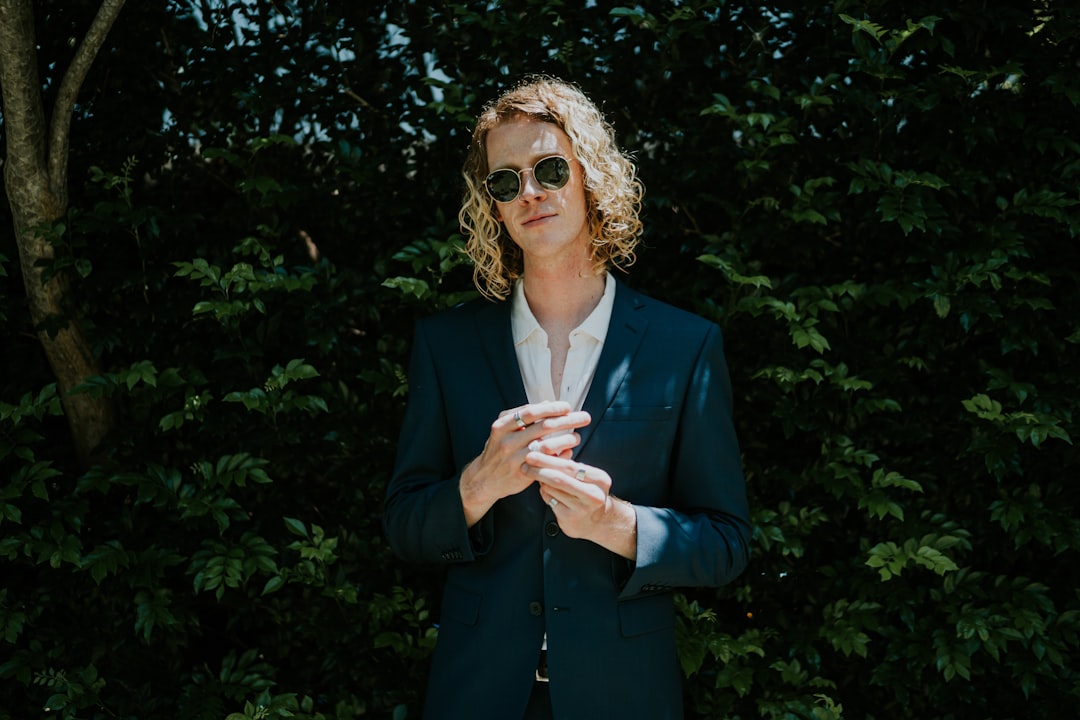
530, 188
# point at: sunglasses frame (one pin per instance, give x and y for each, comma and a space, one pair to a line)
521, 182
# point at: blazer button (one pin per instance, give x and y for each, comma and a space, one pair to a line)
551, 528
536, 609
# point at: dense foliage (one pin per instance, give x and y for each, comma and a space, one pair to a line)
877, 201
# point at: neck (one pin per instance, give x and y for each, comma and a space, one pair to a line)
562, 299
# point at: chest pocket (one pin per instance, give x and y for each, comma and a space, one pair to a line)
630, 413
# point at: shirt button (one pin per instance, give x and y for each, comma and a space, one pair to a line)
551, 528
536, 608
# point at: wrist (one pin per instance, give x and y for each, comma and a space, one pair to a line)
619, 529
473, 501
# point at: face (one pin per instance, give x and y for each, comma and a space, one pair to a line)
550, 226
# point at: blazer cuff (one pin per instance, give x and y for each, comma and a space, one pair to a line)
482, 534
648, 573
456, 542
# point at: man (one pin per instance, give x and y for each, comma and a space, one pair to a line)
568, 450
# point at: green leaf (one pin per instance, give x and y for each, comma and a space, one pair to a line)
757, 281
410, 286
983, 407
872, 29
296, 527
807, 335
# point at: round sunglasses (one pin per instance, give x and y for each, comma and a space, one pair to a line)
552, 172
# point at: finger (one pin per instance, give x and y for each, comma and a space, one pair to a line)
567, 421
513, 419
565, 466
520, 417
549, 408
537, 459
560, 484
556, 435
546, 495
557, 501
579, 479
555, 445
548, 411
519, 421
594, 477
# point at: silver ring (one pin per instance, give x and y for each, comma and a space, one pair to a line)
553, 502
518, 420
580, 474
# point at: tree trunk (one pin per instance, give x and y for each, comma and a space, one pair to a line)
35, 174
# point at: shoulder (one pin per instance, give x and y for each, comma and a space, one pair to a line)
465, 315
662, 315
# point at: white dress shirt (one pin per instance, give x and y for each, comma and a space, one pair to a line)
534, 357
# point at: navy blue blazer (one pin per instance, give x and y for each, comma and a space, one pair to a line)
661, 427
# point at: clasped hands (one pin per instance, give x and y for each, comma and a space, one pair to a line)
534, 444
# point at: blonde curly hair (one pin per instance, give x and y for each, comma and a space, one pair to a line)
612, 190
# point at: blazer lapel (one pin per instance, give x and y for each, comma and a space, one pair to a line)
496, 342
625, 333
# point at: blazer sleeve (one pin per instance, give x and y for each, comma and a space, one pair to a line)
423, 517
702, 539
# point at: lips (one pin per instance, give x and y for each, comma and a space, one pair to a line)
537, 218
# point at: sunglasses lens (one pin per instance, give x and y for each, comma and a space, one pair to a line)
553, 172
503, 185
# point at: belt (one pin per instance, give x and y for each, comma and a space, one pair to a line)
542, 668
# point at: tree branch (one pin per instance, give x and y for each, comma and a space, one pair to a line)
60, 128
24, 115
36, 182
